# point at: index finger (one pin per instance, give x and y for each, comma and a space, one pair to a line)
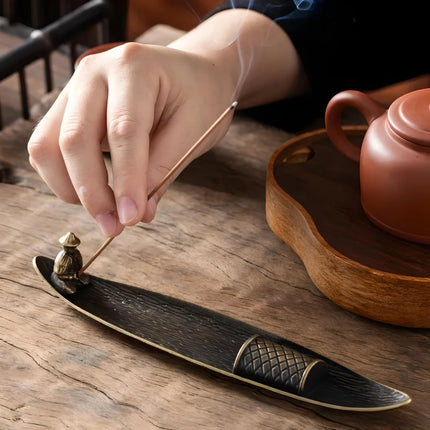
82, 130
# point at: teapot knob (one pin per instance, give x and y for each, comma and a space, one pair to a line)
409, 116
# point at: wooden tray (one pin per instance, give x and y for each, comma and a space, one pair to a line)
313, 204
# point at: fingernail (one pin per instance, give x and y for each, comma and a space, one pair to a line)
127, 210
107, 223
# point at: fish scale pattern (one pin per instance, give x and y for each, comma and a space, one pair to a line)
272, 364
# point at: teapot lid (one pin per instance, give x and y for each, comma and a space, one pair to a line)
409, 116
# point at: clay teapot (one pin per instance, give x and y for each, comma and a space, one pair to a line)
394, 160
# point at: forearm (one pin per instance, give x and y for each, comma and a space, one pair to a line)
250, 51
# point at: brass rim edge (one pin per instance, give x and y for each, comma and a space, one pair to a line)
242, 348
306, 374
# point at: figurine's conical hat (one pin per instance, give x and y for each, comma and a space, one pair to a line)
70, 240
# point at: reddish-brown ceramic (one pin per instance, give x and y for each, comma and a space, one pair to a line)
394, 160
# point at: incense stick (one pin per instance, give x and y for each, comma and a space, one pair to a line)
171, 172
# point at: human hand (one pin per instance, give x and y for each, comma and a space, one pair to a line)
146, 105
149, 104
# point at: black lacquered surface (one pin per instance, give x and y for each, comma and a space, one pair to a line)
211, 339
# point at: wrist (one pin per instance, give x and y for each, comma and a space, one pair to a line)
250, 53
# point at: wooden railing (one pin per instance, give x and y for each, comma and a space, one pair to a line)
42, 42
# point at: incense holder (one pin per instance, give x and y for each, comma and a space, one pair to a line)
224, 345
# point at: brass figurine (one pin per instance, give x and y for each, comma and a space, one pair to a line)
67, 265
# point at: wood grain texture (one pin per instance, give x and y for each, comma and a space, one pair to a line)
313, 204
210, 245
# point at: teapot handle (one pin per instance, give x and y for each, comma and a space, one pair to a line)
333, 118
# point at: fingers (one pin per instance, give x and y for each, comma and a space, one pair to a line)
119, 100
102, 107
65, 149
169, 145
82, 130
45, 154
130, 116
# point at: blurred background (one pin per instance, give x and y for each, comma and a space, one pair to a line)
41, 39
132, 17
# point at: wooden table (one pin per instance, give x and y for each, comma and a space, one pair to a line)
210, 245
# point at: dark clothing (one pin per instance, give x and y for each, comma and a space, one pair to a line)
351, 44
